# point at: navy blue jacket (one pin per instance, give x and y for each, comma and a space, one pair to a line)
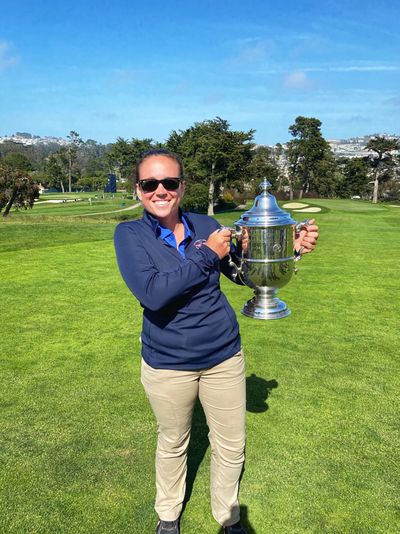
187, 320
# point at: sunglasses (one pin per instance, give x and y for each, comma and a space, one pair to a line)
149, 186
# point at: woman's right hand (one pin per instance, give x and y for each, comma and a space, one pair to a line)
220, 242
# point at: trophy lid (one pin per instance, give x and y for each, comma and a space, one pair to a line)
265, 211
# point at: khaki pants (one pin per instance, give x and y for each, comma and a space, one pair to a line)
222, 393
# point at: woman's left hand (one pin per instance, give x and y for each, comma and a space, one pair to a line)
306, 241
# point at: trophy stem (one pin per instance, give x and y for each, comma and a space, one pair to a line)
265, 305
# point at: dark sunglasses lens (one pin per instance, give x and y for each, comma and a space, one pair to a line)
148, 186
170, 184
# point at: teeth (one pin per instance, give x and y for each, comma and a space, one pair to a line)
161, 202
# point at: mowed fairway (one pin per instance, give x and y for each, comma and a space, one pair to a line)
77, 435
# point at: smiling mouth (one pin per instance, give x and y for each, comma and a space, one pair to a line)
161, 202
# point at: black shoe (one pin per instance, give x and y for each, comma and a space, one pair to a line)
168, 527
235, 529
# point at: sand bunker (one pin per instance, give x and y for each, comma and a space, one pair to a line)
58, 200
309, 210
293, 205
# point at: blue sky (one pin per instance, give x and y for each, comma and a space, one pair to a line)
137, 69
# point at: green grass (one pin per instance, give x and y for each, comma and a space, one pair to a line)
82, 195
77, 435
76, 205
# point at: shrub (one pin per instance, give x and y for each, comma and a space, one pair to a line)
391, 191
227, 196
226, 201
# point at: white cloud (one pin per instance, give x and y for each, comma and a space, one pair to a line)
253, 51
298, 80
6, 59
333, 68
354, 68
357, 119
105, 116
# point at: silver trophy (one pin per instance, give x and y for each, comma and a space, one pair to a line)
268, 262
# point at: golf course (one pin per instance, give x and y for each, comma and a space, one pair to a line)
77, 434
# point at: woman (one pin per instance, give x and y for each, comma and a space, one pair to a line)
191, 347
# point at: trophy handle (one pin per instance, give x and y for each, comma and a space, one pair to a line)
297, 229
237, 269
301, 226
235, 234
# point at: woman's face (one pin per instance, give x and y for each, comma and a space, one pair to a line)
161, 203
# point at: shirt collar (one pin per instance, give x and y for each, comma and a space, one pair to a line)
164, 232
155, 223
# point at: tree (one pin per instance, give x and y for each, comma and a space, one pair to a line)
305, 153
279, 157
391, 190
382, 161
16, 189
71, 151
354, 178
57, 168
263, 165
11, 147
93, 183
212, 154
123, 155
91, 158
326, 176
16, 160
196, 197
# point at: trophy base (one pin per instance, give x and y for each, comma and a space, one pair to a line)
265, 305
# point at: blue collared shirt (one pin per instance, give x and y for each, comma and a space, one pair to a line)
168, 236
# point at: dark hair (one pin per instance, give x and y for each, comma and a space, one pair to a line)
158, 152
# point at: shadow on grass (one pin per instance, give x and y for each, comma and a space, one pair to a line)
244, 520
257, 392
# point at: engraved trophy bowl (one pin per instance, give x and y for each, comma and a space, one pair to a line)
268, 262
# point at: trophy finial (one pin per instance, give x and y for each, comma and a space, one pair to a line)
265, 184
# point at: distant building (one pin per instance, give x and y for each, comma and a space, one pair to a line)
28, 139
355, 146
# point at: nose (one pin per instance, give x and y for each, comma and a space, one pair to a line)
161, 189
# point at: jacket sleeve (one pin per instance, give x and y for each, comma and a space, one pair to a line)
152, 287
